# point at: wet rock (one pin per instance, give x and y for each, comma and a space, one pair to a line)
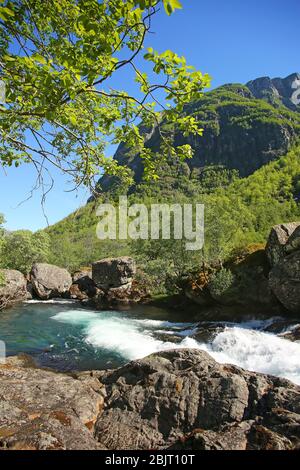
13, 287
292, 335
113, 272
50, 281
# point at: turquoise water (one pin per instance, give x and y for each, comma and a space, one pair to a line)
64, 336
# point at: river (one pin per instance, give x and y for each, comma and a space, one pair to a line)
64, 336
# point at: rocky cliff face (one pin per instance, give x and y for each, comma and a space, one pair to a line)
278, 90
245, 127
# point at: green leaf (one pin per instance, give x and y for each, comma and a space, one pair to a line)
171, 5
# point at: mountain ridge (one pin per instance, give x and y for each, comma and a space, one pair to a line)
245, 127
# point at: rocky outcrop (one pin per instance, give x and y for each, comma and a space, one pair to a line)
242, 282
50, 281
283, 250
180, 399
42, 410
277, 241
185, 398
120, 297
284, 280
237, 122
12, 287
83, 286
113, 272
278, 90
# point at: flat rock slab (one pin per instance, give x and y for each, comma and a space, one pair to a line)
44, 410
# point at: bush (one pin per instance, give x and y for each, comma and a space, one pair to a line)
221, 282
22, 248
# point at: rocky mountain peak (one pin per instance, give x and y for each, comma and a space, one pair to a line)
281, 90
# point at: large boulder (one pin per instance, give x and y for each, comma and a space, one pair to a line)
13, 287
169, 400
293, 242
113, 272
83, 286
43, 410
184, 397
278, 238
50, 281
284, 280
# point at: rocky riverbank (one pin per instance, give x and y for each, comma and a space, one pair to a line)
180, 399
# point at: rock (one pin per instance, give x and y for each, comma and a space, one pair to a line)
50, 281
180, 398
277, 89
293, 242
277, 241
43, 410
113, 272
81, 274
13, 289
292, 334
76, 293
242, 283
83, 286
284, 280
259, 141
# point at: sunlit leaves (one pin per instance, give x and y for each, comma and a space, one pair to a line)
58, 59
171, 5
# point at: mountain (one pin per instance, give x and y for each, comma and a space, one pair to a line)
245, 127
245, 169
284, 91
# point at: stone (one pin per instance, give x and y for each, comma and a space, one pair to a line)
179, 400
113, 272
278, 238
50, 281
44, 410
185, 399
14, 288
284, 280
293, 242
83, 286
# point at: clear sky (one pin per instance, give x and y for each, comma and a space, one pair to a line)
232, 40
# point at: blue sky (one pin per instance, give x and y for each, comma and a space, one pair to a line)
232, 40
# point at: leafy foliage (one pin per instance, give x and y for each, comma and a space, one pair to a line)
58, 59
22, 248
221, 281
238, 212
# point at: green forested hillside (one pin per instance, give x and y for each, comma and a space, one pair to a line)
238, 212
240, 132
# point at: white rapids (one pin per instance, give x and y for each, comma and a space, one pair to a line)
244, 344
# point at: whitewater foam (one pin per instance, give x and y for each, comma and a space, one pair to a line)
246, 347
257, 351
50, 301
